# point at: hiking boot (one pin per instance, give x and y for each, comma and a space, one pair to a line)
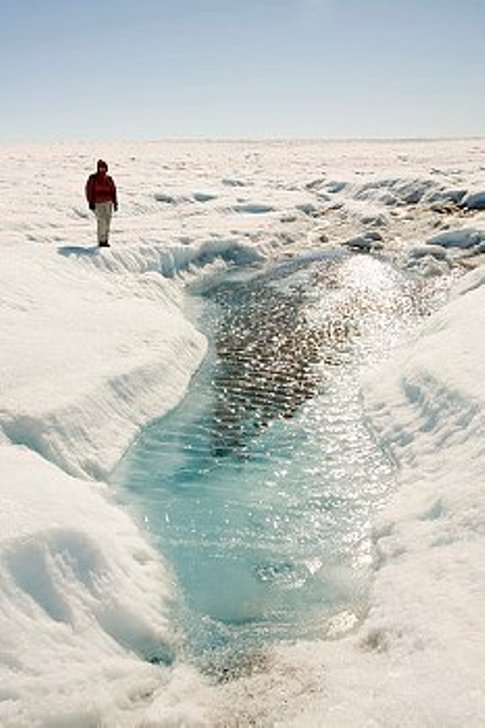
103, 244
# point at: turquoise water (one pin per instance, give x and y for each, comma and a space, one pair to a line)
260, 487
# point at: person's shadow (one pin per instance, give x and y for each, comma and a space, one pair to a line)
77, 250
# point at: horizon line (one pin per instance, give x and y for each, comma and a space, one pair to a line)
241, 139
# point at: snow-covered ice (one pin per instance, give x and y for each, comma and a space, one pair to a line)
95, 344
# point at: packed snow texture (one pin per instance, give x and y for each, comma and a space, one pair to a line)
95, 344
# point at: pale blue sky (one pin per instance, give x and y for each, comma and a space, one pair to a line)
241, 68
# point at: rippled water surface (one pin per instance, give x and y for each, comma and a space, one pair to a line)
259, 488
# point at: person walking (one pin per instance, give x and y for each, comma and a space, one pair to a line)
102, 199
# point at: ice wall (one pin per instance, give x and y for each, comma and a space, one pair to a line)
92, 356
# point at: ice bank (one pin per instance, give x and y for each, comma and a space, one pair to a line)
417, 659
92, 356
85, 636
83, 599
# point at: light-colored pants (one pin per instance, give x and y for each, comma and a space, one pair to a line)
103, 211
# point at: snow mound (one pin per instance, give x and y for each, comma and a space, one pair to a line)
420, 251
475, 201
82, 613
447, 195
232, 182
205, 196
334, 186
254, 208
164, 197
395, 191
368, 241
464, 238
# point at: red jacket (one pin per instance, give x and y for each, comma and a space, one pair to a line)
101, 188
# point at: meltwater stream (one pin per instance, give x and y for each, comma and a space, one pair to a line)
259, 488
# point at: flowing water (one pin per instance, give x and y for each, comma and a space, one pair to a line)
260, 487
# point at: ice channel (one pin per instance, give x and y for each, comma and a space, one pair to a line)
260, 487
